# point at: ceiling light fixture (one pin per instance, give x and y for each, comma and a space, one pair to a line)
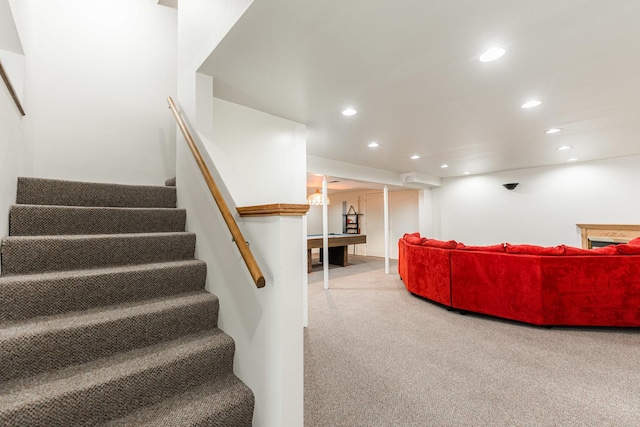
491, 54
564, 147
315, 199
444, 166
573, 159
349, 112
552, 131
373, 144
531, 104
415, 157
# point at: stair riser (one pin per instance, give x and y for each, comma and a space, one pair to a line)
36, 191
29, 220
25, 297
124, 394
24, 255
26, 355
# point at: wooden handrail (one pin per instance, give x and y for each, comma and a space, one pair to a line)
249, 260
12, 91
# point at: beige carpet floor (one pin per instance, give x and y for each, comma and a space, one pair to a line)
376, 355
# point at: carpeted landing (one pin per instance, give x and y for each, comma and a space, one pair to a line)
375, 355
104, 318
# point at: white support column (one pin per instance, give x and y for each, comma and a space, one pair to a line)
386, 230
325, 233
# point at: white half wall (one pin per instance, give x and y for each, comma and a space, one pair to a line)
258, 159
97, 77
544, 208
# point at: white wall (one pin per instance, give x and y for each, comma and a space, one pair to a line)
545, 207
403, 218
263, 163
98, 73
15, 154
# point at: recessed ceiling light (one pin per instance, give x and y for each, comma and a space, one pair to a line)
349, 112
531, 104
573, 159
467, 173
564, 147
415, 157
373, 144
553, 130
491, 54
444, 166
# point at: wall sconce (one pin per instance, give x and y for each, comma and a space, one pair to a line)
511, 185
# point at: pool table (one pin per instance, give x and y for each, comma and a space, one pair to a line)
338, 244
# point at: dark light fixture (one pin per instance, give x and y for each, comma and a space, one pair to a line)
511, 185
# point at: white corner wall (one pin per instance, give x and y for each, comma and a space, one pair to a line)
262, 160
98, 74
202, 24
544, 208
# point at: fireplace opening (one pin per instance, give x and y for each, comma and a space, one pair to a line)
599, 242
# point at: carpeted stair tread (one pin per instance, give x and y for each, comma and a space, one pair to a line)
43, 294
103, 313
39, 191
34, 346
171, 182
37, 220
113, 387
223, 403
32, 254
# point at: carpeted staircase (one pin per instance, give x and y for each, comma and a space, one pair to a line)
104, 319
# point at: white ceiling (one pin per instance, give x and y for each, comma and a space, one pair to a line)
410, 68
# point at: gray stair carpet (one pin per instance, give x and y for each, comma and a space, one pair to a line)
104, 319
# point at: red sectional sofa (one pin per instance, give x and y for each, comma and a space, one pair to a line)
559, 285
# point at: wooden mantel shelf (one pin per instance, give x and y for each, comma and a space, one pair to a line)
619, 233
276, 209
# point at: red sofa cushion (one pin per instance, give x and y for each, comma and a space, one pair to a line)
413, 238
605, 250
628, 249
634, 242
534, 250
491, 248
434, 243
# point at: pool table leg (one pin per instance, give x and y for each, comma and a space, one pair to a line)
339, 256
